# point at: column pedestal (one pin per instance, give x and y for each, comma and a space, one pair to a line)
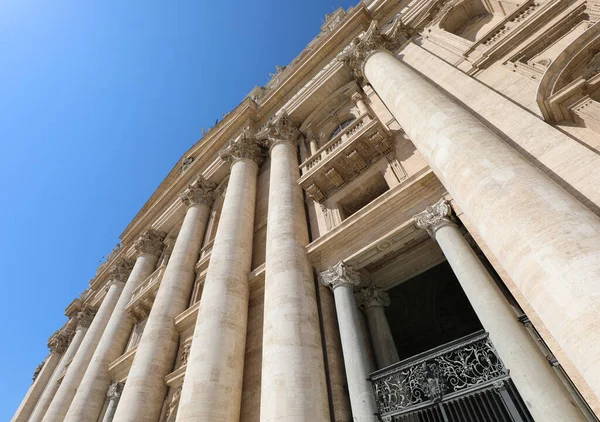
89, 399
542, 391
212, 389
145, 389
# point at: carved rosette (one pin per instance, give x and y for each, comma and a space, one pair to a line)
150, 242
58, 342
340, 274
434, 217
200, 192
373, 40
114, 391
85, 316
245, 147
120, 270
372, 296
279, 129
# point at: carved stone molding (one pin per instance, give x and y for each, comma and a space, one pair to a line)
150, 242
200, 192
114, 391
58, 342
434, 217
340, 274
173, 405
373, 40
120, 270
279, 129
86, 316
245, 147
372, 296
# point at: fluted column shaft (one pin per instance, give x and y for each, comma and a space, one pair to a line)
68, 387
342, 279
293, 385
37, 388
145, 389
90, 397
212, 389
46, 398
372, 301
547, 241
541, 389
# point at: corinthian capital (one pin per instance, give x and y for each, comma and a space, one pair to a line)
245, 147
58, 342
120, 270
114, 390
434, 217
150, 242
372, 296
280, 129
200, 192
340, 274
373, 40
85, 316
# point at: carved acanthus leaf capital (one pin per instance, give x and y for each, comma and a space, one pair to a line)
340, 274
86, 316
373, 40
114, 390
280, 129
200, 192
120, 270
372, 296
245, 147
434, 217
150, 242
58, 342
38, 370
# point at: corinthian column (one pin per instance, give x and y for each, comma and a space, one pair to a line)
293, 385
145, 389
113, 394
84, 319
43, 374
89, 399
372, 300
57, 411
547, 241
546, 397
212, 389
342, 279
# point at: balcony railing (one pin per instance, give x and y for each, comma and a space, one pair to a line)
461, 381
335, 142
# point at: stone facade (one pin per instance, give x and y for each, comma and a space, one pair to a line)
272, 276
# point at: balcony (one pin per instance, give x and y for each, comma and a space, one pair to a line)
461, 381
344, 157
143, 296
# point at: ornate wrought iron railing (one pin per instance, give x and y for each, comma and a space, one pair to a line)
461, 381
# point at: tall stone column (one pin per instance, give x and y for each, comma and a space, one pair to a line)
541, 389
89, 399
372, 300
546, 241
76, 370
84, 319
342, 279
359, 101
114, 394
43, 375
145, 389
293, 384
212, 389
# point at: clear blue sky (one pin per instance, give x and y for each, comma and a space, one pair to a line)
98, 100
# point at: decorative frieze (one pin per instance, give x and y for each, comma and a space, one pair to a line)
150, 242
58, 342
434, 217
373, 40
340, 274
200, 192
86, 316
372, 296
245, 147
